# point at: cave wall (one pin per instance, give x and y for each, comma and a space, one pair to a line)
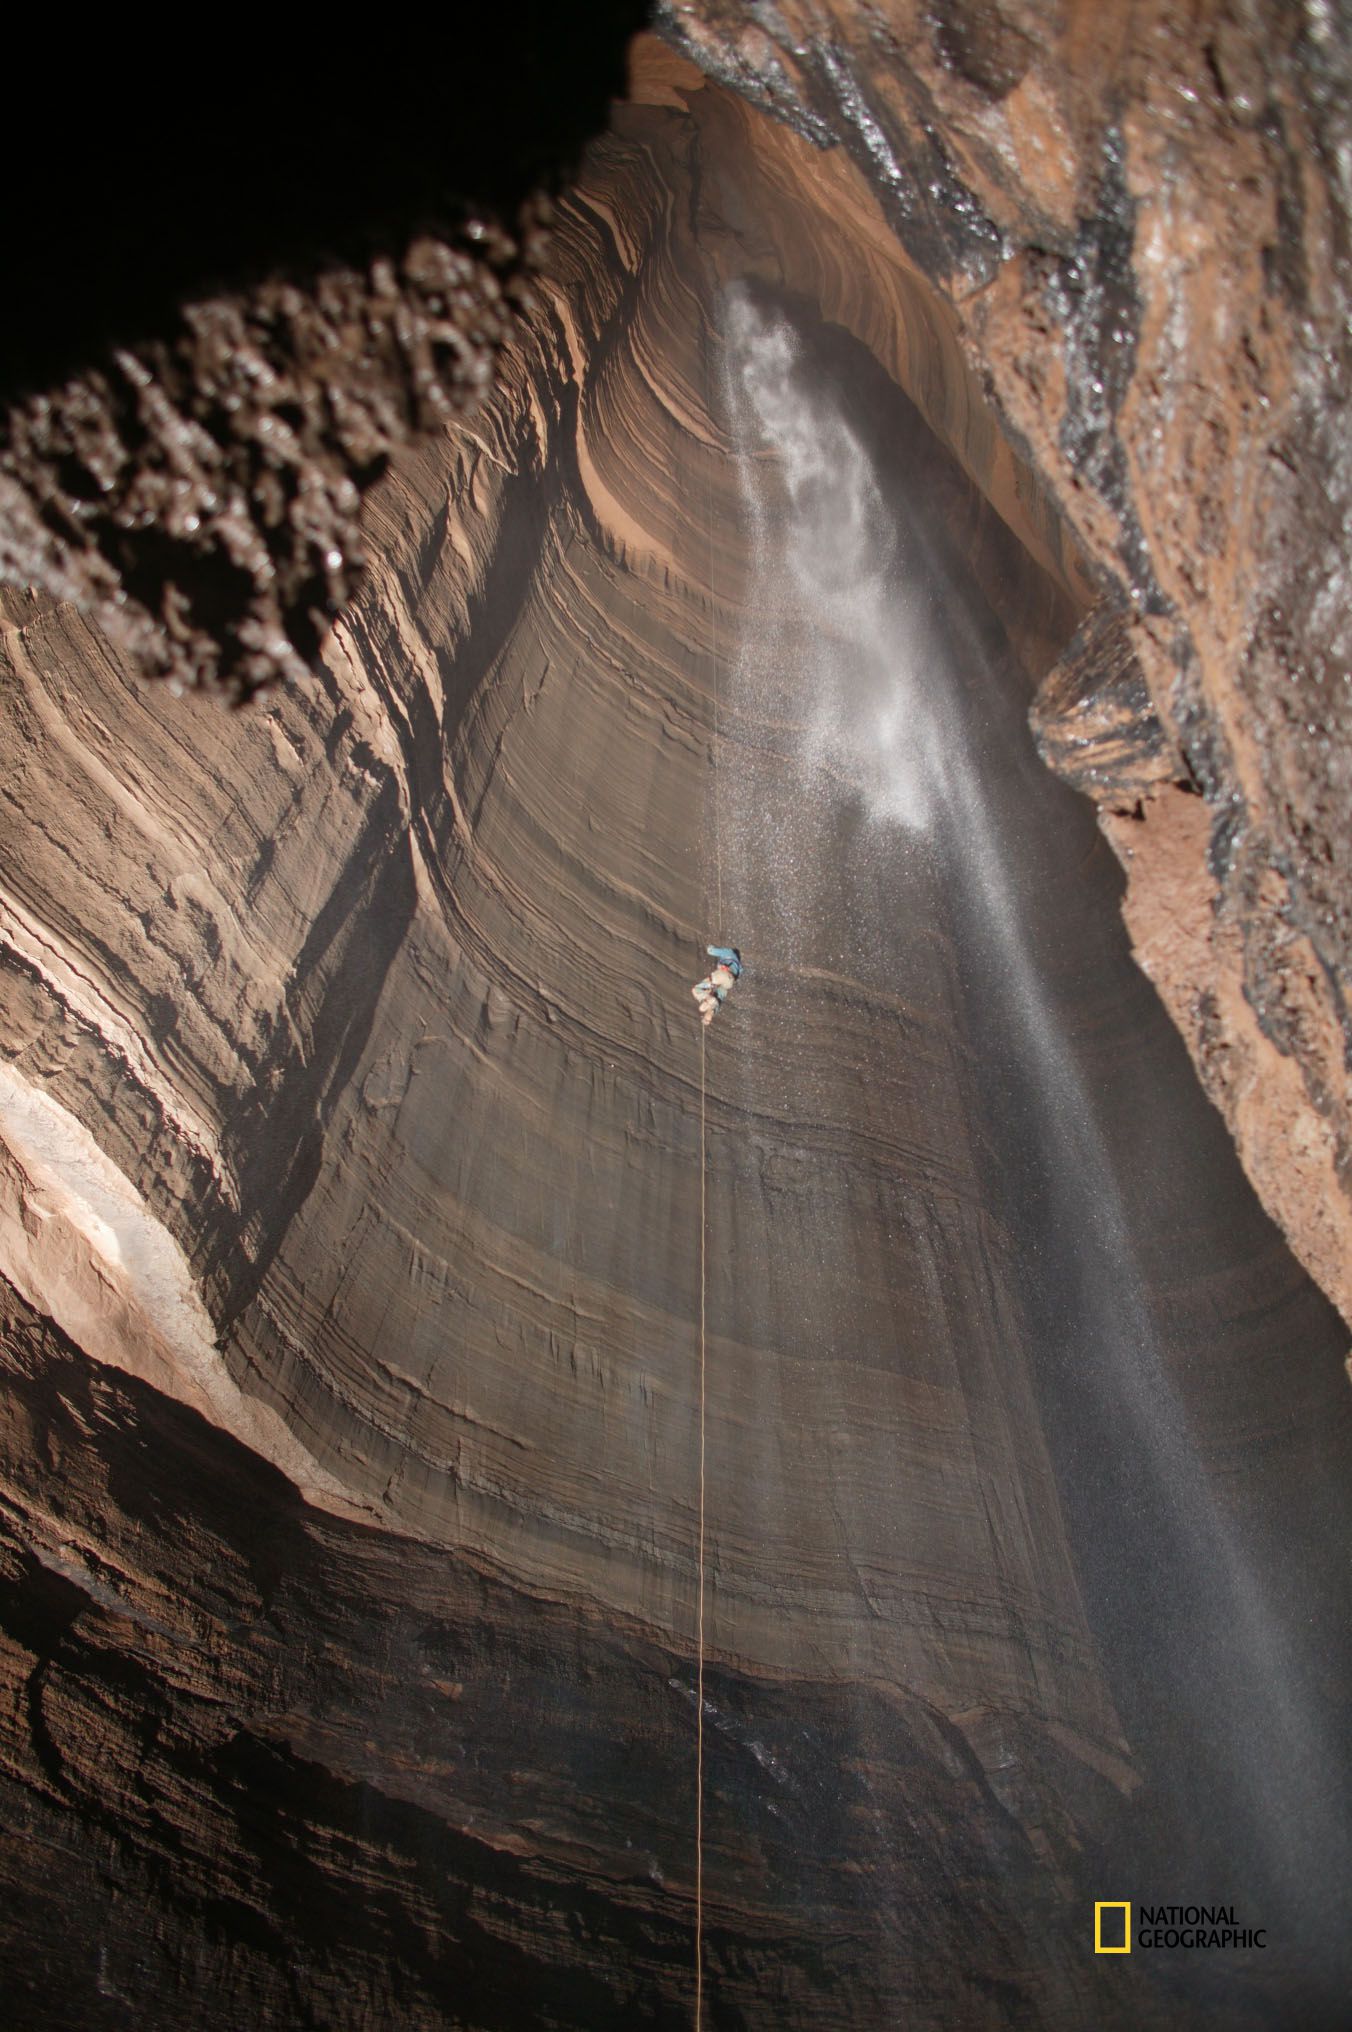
424, 1019
377, 999
1138, 222
1133, 228
370, 1002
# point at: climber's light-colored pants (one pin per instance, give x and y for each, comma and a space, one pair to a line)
711, 995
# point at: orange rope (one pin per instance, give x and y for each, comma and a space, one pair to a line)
713, 640
703, 1259
699, 1686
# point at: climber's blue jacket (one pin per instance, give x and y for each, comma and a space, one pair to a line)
730, 957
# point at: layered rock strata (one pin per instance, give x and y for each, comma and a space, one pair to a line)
1137, 231
1139, 226
411, 1045
353, 1099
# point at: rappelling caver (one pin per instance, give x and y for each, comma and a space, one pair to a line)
712, 992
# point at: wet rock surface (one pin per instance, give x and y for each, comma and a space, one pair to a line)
350, 1194
1143, 224
330, 1775
1143, 228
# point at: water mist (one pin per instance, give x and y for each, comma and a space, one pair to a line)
861, 696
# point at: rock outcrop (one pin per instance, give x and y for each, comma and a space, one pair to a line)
240, 299
357, 1138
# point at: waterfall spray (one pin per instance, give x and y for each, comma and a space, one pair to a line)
862, 664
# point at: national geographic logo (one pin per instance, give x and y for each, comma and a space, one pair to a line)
1192, 1926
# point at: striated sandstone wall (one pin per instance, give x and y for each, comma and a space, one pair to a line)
408, 1023
1135, 231
367, 1126
1138, 222
353, 1100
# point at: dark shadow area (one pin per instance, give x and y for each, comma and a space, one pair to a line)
345, 1778
168, 164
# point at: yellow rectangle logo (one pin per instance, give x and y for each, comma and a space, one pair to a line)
1113, 1935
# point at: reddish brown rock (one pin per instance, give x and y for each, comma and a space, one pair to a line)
1140, 228
354, 1100
1131, 227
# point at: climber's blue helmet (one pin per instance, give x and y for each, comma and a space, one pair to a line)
730, 957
